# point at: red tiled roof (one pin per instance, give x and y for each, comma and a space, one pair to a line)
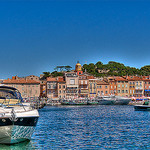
102, 83
90, 77
60, 79
20, 81
134, 78
51, 79
120, 79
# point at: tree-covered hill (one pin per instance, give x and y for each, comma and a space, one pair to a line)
114, 69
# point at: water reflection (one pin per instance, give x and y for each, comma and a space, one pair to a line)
27, 145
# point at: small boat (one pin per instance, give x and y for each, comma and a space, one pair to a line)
17, 120
145, 106
120, 100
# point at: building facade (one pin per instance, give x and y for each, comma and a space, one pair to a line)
102, 88
83, 86
72, 84
27, 88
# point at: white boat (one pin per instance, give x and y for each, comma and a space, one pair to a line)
105, 100
145, 106
17, 121
120, 100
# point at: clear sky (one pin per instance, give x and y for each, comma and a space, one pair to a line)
37, 36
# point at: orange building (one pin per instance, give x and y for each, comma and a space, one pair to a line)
112, 86
122, 86
102, 88
61, 86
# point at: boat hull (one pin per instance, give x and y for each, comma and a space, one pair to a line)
142, 107
121, 101
16, 131
105, 102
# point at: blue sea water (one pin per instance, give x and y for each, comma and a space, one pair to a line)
89, 127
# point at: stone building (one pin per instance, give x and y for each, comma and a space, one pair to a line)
27, 88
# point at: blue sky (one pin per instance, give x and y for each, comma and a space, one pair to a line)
36, 36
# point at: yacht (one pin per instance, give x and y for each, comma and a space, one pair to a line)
120, 100
105, 100
17, 120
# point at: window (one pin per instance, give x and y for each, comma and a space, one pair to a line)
59, 91
122, 85
126, 85
94, 85
85, 82
126, 91
106, 92
118, 91
122, 91
72, 81
49, 92
119, 86
49, 86
64, 86
106, 87
90, 85
81, 82
60, 86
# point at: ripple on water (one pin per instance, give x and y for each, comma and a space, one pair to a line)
91, 127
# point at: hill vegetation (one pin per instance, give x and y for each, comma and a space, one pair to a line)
114, 69
100, 70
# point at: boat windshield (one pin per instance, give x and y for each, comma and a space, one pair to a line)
10, 96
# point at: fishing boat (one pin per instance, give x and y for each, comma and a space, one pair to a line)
17, 121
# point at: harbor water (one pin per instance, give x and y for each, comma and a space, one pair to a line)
89, 127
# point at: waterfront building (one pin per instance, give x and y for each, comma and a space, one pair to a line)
102, 88
139, 87
92, 86
72, 84
112, 86
61, 86
146, 80
122, 86
52, 90
131, 84
27, 88
83, 86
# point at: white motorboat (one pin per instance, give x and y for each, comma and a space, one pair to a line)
120, 100
145, 106
105, 100
17, 121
